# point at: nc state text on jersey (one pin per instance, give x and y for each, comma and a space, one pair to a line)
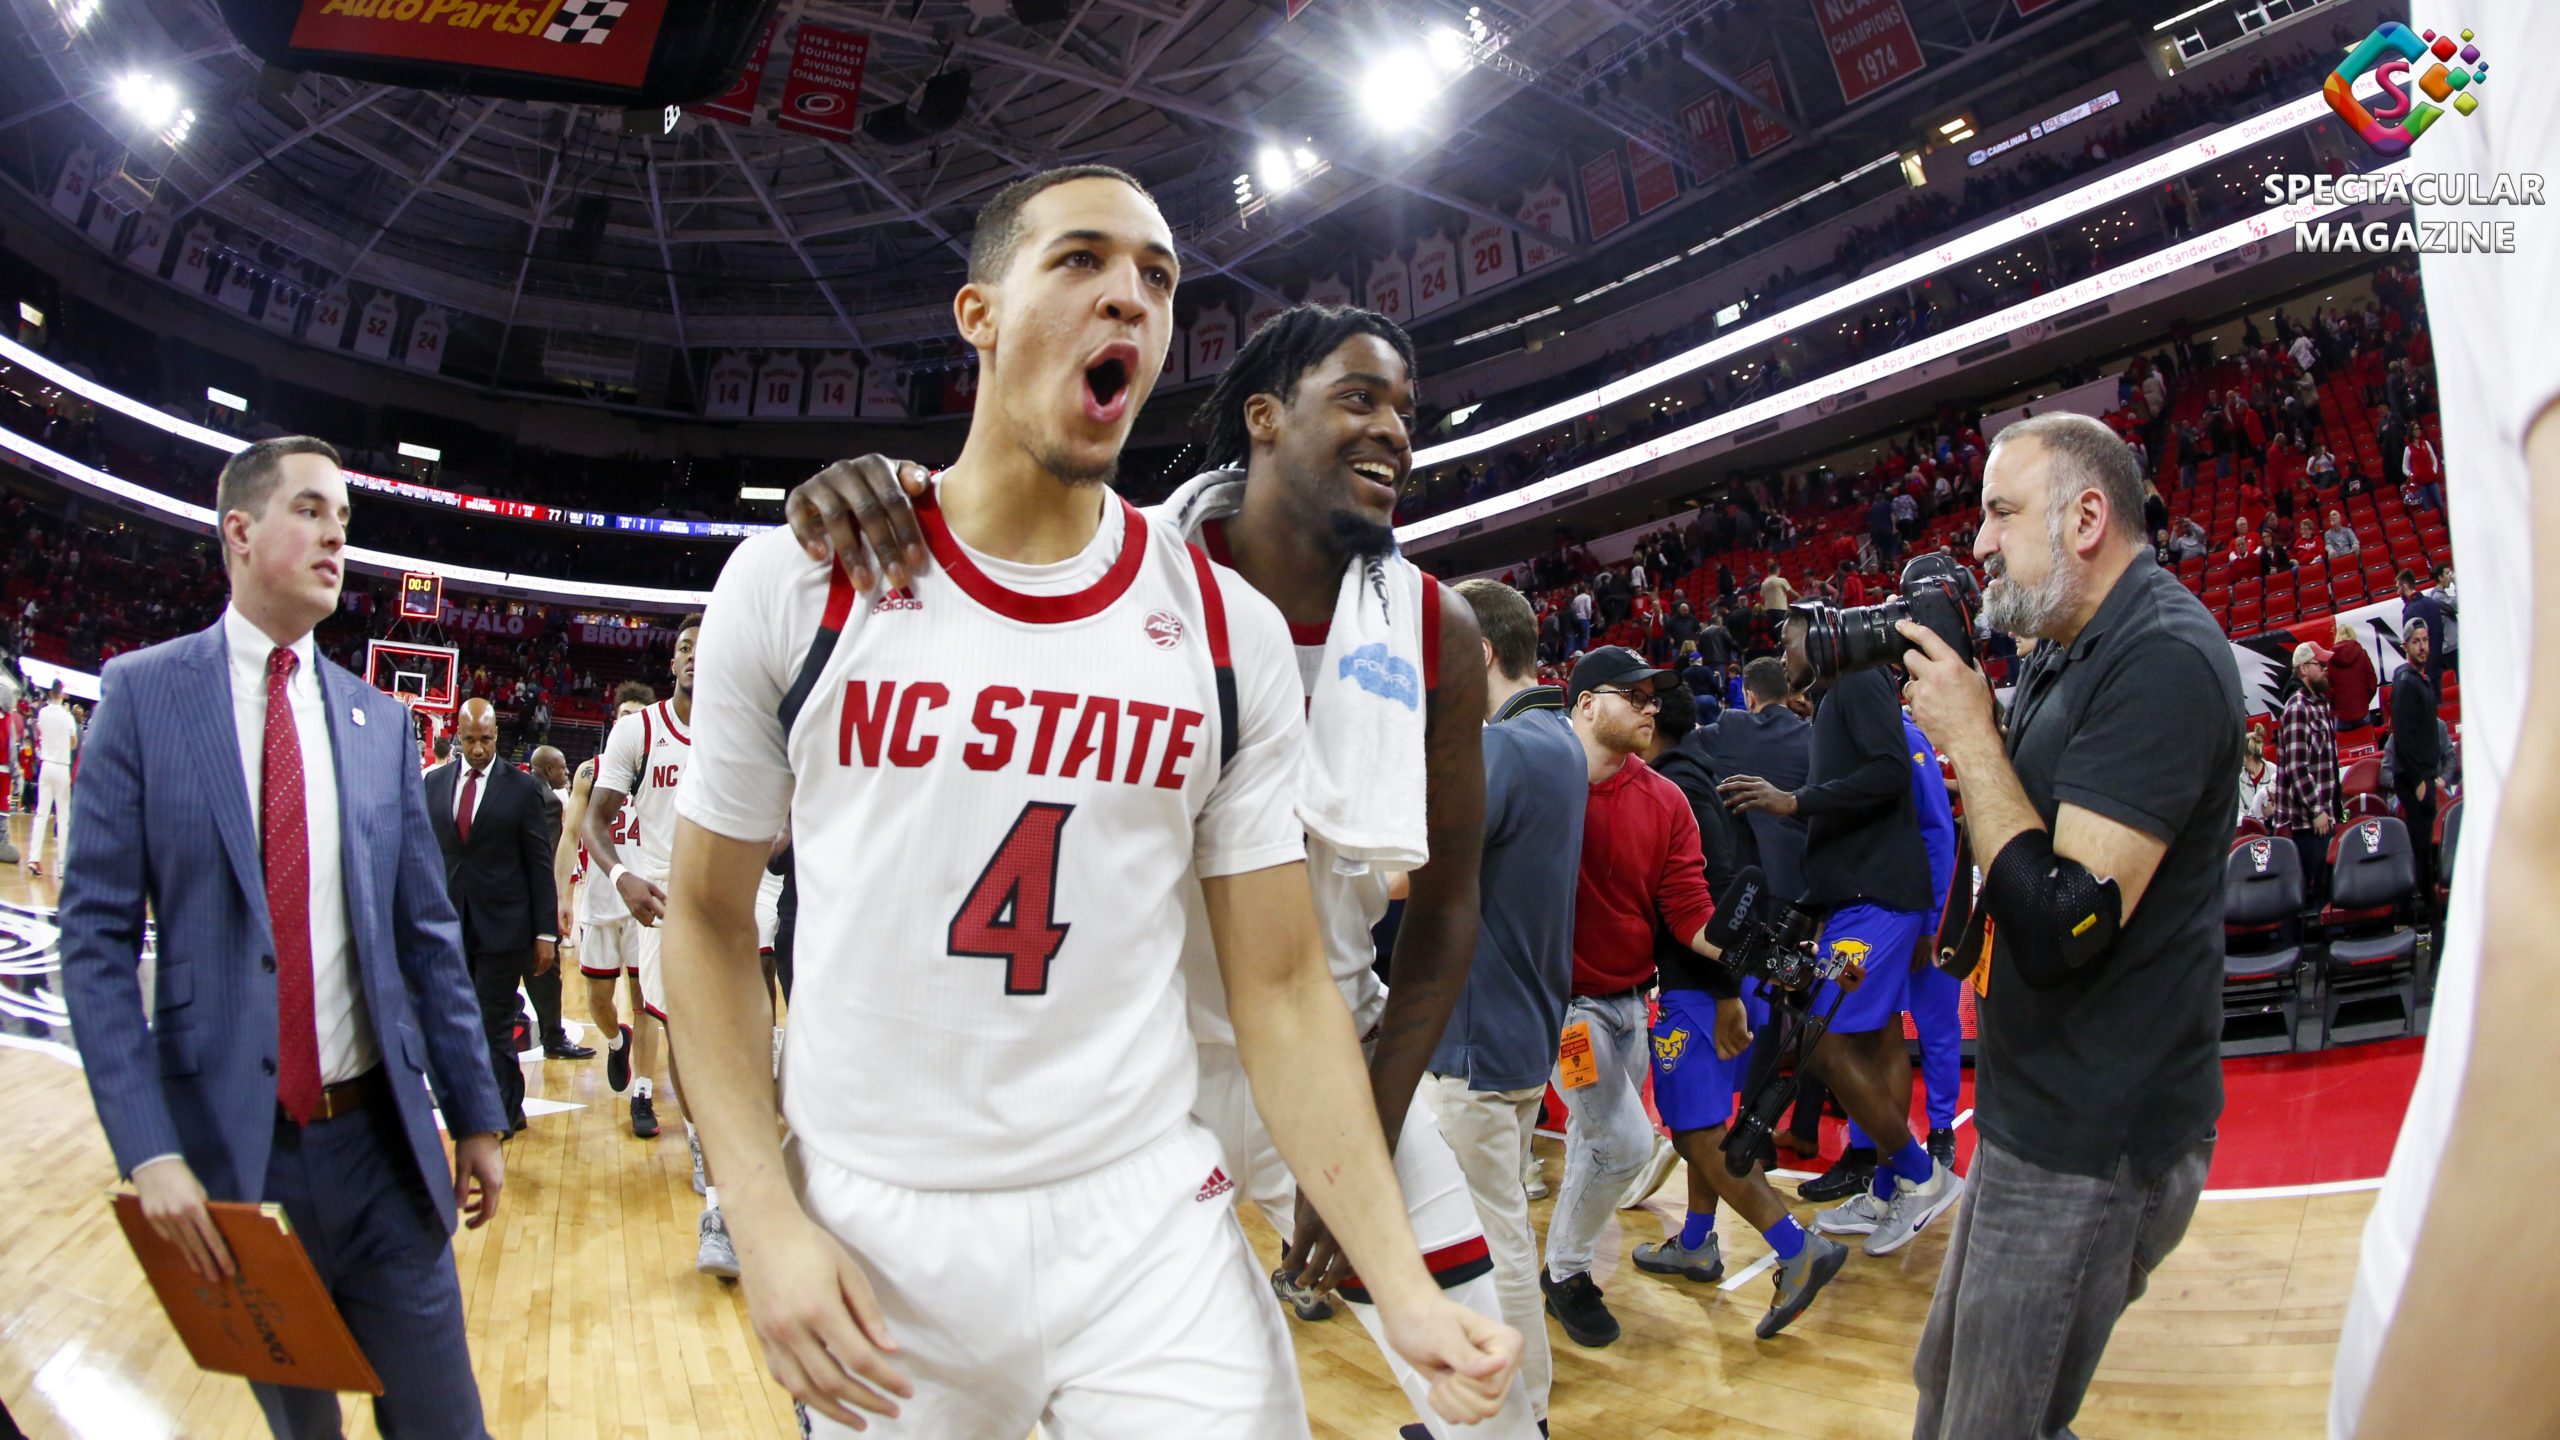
896, 722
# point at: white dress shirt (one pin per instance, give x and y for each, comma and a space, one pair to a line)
462, 786
347, 1044
57, 734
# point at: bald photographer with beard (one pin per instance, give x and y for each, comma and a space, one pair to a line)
2101, 819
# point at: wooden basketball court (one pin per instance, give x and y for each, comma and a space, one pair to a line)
588, 1321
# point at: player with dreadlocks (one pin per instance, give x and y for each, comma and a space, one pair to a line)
1312, 430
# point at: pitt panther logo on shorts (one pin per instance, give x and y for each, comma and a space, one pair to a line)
1667, 1048
1854, 951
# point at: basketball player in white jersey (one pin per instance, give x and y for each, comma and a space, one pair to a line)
633, 804
57, 741
602, 922
1315, 411
1009, 772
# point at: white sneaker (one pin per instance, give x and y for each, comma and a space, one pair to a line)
1657, 1168
1860, 1214
1533, 1179
715, 1255
1913, 1207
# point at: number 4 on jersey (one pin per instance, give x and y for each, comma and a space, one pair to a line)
1008, 913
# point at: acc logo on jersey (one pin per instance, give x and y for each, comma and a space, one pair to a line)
1667, 1048
1164, 628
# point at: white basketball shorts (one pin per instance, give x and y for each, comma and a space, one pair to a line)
1122, 1302
604, 948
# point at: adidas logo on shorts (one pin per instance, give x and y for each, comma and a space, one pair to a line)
1216, 1185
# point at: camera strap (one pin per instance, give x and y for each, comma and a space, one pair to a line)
1963, 937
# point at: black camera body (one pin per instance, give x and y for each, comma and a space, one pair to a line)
1776, 949
1938, 593
1763, 938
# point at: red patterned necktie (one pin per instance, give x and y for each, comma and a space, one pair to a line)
470, 798
285, 848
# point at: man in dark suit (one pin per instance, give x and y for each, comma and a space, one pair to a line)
494, 826
264, 807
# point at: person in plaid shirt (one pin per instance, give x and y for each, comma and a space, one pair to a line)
2304, 802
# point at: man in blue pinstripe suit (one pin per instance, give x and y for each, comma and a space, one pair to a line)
265, 806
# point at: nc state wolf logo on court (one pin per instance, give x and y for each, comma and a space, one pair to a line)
1216, 1185
1164, 628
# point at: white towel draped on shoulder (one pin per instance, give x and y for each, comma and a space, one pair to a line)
1363, 788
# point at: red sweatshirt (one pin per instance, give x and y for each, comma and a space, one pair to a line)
1640, 859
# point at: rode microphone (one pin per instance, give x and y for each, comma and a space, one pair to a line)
1741, 903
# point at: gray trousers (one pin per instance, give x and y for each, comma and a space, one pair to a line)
1609, 1138
2040, 1265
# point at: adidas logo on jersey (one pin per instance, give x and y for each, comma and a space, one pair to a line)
1216, 1185
897, 600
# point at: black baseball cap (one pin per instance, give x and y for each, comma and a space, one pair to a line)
1608, 665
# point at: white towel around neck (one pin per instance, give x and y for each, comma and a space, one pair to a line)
1363, 788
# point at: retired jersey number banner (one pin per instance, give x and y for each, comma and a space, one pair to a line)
605, 41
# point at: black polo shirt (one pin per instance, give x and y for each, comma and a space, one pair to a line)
2139, 720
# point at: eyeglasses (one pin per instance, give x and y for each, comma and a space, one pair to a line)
1640, 699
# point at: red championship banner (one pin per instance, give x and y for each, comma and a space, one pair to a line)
607, 41
737, 104
1870, 42
1709, 135
1604, 199
1657, 184
819, 95
1759, 132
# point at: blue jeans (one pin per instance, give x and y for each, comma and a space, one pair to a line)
1608, 1138
353, 1193
2038, 1268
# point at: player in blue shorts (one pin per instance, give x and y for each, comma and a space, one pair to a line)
1931, 998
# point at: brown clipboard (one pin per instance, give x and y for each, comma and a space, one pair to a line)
271, 1322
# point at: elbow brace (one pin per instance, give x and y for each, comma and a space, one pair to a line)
2058, 918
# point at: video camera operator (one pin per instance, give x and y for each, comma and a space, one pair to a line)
1866, 871
2101, 821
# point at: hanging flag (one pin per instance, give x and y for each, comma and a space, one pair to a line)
195, 262
1544, 211
778, 386
239, 284
1490, 257
824, 84
960, 390
1759, 132
1265, 310
729, 387
1870, 42
1328, 289
106, 219
737, 104
151, 239
884, 393
1710, 135
283, 312
71, 187
373, 330
329, 317
1604, 196
835, 386
1391, 288
1213, 341
1435, 274
1657, 183
426, 339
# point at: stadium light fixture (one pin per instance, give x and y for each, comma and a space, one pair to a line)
1274, 168
1449, 50
1398, 87
227, 400
427, 453
761, 492
76, 14
149, 99
31, 314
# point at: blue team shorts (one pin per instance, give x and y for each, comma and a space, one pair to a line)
1692, 1086
1882, 940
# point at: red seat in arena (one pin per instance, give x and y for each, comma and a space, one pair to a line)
2362, 778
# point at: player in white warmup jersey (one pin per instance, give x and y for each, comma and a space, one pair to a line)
1315, 411
57, 741
630, 828
601, 921
1008, 772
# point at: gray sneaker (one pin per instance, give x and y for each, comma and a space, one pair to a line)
1657, 1169
701, 1186
1913, 1207
1533, 1179
1860, 1214
1666, 1257
1799, 1280
715, 1255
